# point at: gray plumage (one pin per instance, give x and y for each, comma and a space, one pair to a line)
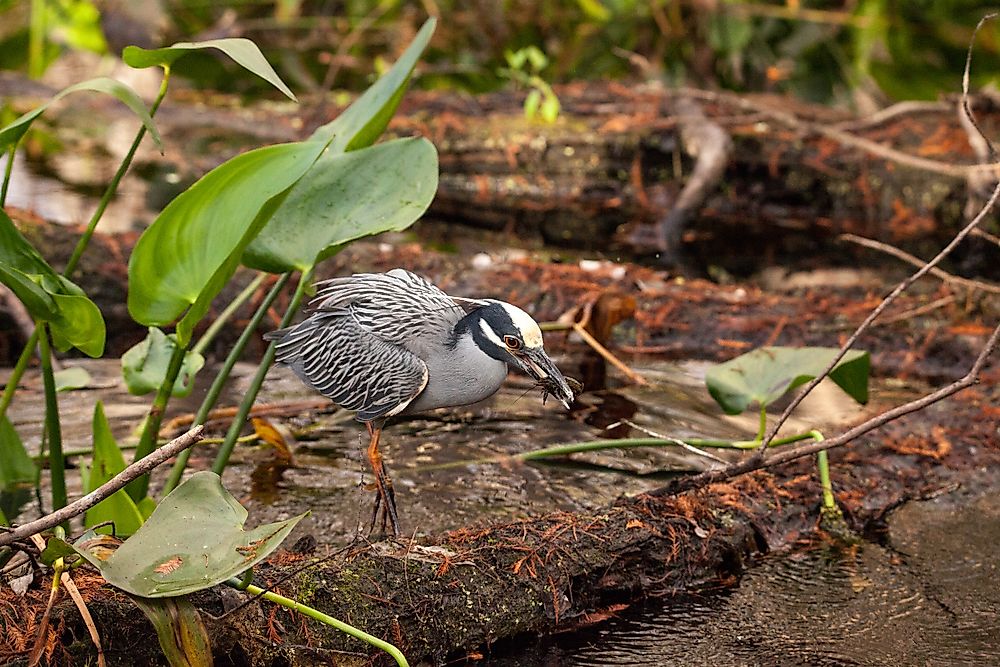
386, 344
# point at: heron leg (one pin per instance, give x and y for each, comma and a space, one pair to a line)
386, 498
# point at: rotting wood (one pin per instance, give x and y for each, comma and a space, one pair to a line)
796, 172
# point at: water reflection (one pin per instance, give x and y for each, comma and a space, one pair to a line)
931, 599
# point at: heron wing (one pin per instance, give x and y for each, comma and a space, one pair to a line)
399, 307
340, 359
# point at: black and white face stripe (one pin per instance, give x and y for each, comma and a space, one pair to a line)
498, 328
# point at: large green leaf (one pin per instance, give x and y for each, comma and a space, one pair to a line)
193, 540
365, 120
241, 50
75, 320
13, 132
108, 462
766, 374
186, 256
144, 365
346, 196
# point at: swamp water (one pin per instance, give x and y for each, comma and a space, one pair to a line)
930, 595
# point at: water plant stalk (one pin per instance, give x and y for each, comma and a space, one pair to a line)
623, 443
109, 192
317, 615
627, 443
36, 40
82, 242
763, 424
18, 373
52, 426
138, 488
212, 397
823, 464
226, 450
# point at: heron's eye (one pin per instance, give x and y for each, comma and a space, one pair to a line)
512, 342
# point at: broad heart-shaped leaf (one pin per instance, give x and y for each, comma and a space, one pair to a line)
75, 320
186, 256
13, 132
178, 625
144, 365
108, 462
193, 540
766, 374
362, 123
346, 196
79, 324
241, 50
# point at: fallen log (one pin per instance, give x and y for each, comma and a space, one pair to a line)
617, 160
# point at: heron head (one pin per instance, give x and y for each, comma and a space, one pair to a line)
507, 333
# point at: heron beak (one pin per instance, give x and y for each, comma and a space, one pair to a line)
537, 364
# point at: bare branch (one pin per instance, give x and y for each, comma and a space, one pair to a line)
916, 261
928, 267
848, 139
77, 507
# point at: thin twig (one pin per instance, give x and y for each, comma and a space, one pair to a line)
946, 300
790, 453
134, 471
608, 356
848, 139
676, 441
992, 238
907, 108
916, 261
900, 288
965, 85
88, 620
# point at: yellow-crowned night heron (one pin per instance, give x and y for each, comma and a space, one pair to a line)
386, 344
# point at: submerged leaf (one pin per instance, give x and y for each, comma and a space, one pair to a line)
144, 365
766, 374
194, 540
72, 377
